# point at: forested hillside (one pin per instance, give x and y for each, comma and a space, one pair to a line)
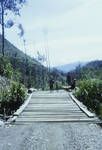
92, 70
29, 71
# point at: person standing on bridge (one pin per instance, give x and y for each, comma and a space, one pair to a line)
51, 84
69, 79
73, 85
57, 85
71, 82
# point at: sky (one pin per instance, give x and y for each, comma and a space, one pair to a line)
69, 30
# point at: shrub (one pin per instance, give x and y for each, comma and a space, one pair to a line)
4, 107
12, 98
90, 93
17, 95
8, 71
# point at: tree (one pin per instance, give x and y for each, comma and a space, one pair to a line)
5, 7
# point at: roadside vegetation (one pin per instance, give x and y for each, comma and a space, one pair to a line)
11, 98
89, 86
12, 93
90, 93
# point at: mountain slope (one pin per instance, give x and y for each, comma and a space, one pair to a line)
12, 51
31, 72
29, 69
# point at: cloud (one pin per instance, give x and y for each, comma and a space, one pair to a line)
67, 50
74, 29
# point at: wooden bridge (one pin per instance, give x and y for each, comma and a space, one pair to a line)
53, 106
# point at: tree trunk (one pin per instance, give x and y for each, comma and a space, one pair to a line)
2, 23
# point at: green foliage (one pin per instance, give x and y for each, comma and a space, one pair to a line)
17, 92
90, 93
8, 72
3, 63
16, 75
6, 68
12, 98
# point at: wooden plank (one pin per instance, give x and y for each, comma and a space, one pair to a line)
52, 106
58, 119
54, 116
49, 113
51, 110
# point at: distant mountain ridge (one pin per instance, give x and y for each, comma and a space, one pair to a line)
69, 67
94, 64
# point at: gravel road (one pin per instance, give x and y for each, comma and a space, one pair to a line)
51, 136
